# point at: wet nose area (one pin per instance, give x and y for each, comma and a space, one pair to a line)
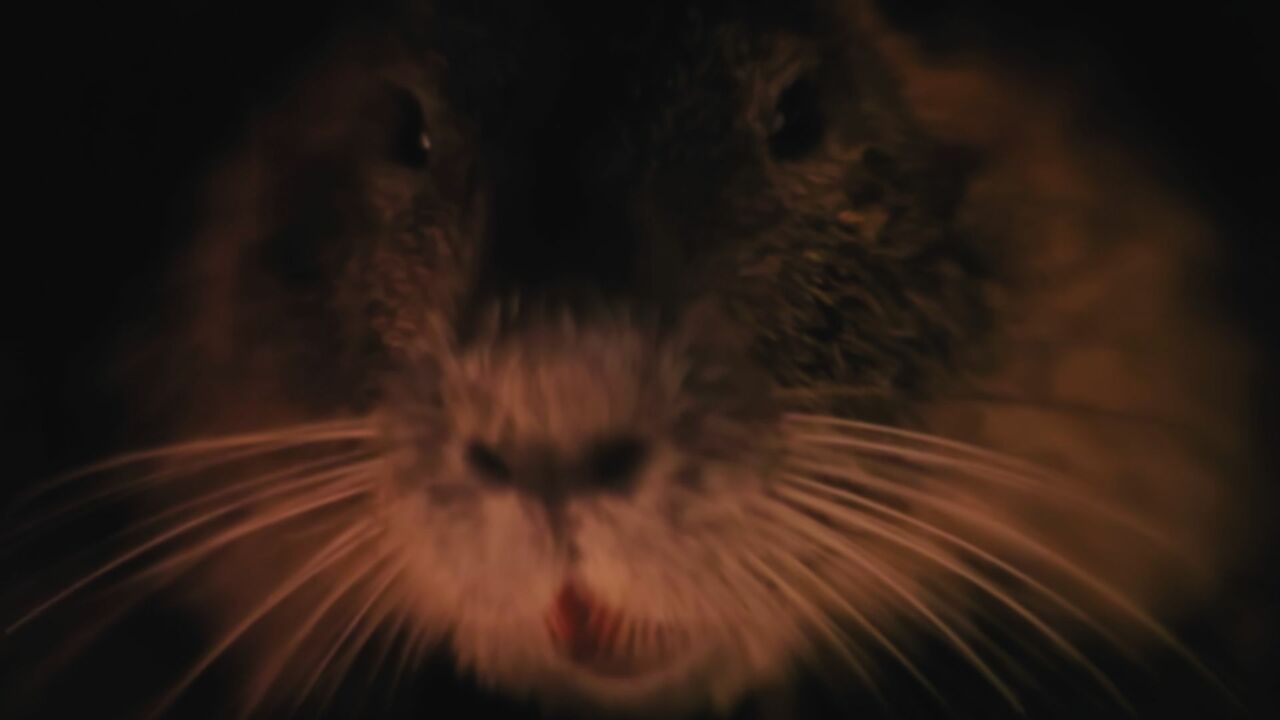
556, 411
609, 464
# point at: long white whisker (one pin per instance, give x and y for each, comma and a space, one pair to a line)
370, 625
179, 530
395, 637
269, 440
869, 480
273, 479
897, 536
325, 557
820, 620
272, 670
841, 546
154, 479
322, 664
964, 623
991, 473
1093, 582
346, 491
833, 423
865, 623
415, 647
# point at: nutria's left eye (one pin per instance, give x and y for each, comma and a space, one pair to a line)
406, 139
797, 125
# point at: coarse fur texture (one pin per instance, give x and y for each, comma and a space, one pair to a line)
740, 327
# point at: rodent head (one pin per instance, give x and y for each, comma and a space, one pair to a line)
577, 281
566, 273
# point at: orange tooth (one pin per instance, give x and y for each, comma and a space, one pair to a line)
567, 615
627, 643
590, 641
555, 627
609, 634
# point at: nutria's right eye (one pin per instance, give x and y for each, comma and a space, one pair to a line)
407, 141
797, 126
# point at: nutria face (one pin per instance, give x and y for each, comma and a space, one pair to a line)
564, 280
636, 358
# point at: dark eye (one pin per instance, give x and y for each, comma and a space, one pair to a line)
797, 126
614, 462
487, 463
406, 141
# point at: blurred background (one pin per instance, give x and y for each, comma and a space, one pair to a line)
121, 107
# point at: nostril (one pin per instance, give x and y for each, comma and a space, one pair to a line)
487, 462
614, 462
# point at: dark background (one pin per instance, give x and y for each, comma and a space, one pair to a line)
119, 107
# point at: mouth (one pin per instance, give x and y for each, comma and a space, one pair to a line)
607, 641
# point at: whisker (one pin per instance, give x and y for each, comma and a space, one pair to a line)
322, 665
396, 636
1097, 585
202, 550
95, 623
325, 557
1045, 405
272, 670
154, 479
740, 583
1050, 405
869, 480
1018, 470
240, 486
837, 639
369, 626
865, 623
897, 536
181, 529
990, 473
273, 479
267, 440
964, 623
873, 448
410, 658
840, 545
